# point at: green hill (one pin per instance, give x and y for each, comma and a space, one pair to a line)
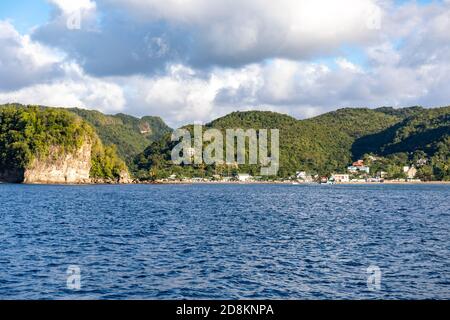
37, 138
129, 134
423, 131
324, 144
321, 145
422, 139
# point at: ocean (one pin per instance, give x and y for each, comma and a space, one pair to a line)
225, 242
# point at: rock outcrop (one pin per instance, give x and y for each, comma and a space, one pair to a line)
54, 146
125, 178
61, 168
64, 168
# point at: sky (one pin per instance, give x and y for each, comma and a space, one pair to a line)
195, 60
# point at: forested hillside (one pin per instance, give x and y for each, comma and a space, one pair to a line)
321, 145
31, 132
327, 143
129, 134
421, 139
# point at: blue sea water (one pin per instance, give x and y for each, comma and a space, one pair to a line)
225, 241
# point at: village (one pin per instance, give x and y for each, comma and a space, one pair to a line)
358, 172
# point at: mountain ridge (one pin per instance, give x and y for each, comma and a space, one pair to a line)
321, 145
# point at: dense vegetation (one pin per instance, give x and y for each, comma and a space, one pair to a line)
130, 135
29, 132
105, 162
421, 139
329, 143
386, 138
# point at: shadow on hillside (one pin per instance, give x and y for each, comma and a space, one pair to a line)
374, 143
382, 143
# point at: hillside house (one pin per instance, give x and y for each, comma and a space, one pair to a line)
358, 167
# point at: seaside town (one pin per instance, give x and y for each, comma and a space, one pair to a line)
358, 173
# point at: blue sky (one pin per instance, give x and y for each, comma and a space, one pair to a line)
25, 14
199, 59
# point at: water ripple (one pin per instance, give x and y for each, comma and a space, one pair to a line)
224, 241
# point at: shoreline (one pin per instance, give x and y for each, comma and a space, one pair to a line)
292, 183
236, 183
395, 183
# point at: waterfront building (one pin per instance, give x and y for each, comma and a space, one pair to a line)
244, 177
341, 178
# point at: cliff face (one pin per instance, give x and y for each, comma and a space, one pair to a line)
125, 178
54, 146
71, 168
61, 168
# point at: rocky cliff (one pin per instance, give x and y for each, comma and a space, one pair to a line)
53, 146
61, 168
70, 168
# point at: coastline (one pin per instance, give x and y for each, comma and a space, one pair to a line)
235, 183
396, 182
299, 184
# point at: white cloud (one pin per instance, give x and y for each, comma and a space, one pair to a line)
344, 64
70, 6
89, 93
195, 60
35, 74
74, 89
149, 34
24, 62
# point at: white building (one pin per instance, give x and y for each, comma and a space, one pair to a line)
355, 169
341, 178
244, 177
